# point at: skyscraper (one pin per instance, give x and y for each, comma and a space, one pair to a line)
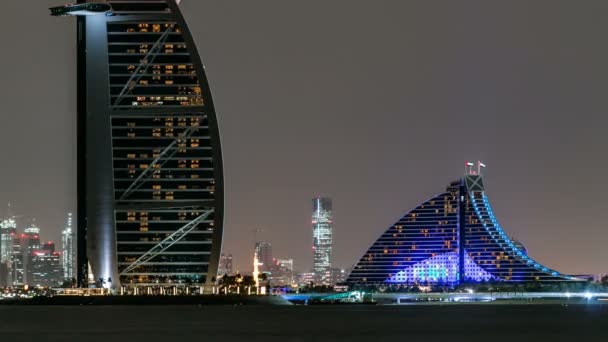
16, 268
46, 266
225, 265
150, 179
68, 255
322, 231
30, 243
263, 250
8, 229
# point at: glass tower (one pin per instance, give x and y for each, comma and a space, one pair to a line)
150, 184
8, 229
68, 255
450, 238
322, 231
263, 250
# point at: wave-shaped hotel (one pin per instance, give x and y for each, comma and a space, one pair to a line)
451, 238
150, 189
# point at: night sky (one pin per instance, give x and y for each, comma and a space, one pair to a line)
376, 104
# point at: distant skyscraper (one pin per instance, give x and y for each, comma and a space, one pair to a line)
263, 250
30, 243
8, 229
16, 267
68, 255
225, 265
45, 266
322, 239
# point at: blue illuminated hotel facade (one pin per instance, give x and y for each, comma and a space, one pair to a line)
450, 238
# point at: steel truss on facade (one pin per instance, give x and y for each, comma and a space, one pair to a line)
166, 243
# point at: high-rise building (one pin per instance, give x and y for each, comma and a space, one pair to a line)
322, 230
46, 266
16, 271
8, 229
150, 178
225, 265
263, 250
30, 243
451, 238
68, 249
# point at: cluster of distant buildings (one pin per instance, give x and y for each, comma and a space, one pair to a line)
27, 261
280, 272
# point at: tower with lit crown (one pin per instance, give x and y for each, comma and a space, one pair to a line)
322, 230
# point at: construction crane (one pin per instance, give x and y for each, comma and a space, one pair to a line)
70, 10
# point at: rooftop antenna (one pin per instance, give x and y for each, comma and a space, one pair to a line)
469, 168
479, 166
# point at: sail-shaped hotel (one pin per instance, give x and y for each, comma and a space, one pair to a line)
150, 188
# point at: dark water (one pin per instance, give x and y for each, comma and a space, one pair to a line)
305, 323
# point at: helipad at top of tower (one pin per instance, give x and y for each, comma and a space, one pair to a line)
111, 7
93, 8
